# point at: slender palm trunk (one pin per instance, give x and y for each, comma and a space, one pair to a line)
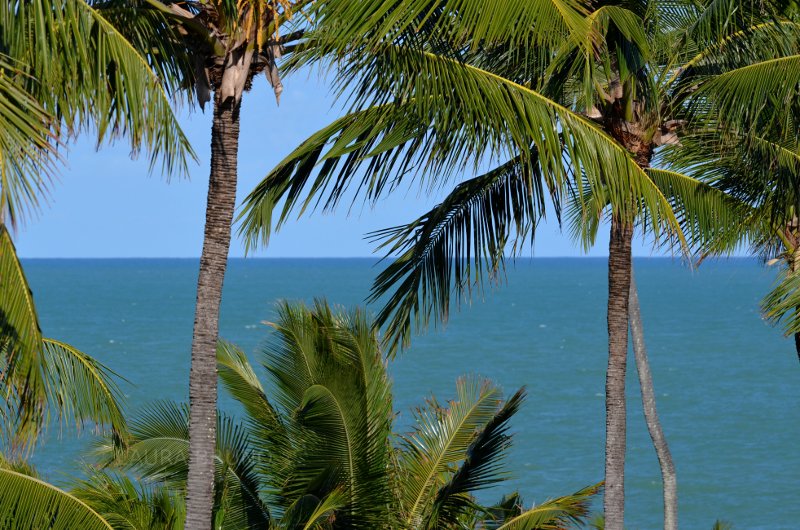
794, 265
213, 261
619, 281
668, 476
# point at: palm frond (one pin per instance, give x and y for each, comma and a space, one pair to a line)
28, 147
491, 517
439, 442
323, 514
80, 388
20, 333
750, 94
345, 27
555, 514
452, 117
442, 252
240, 380
480, 469
156, 446
782, 304
157, 449
757, 170
128, 505
82, 70
330, 379
710, 219
27, 502
583, 214
375, 133
45, 378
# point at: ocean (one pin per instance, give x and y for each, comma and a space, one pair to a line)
727, 383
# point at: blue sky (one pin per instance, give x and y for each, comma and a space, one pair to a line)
106, 205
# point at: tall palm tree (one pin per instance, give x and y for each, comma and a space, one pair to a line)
322, 454
64, 71
568, 99
222, 45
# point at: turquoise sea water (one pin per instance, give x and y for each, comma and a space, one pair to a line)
727, 384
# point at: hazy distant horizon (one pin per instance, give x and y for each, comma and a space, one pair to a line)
509, 260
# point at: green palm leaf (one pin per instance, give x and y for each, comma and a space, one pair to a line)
79, 67
477, 114
19, 324
451, 245
554, 514
744, 95
310, 513
707, 215
127, 505
27, 502
344, 25
331, 381
782, 304
240, 380
480, 469
158, 450
439, 442
27, 144
45, 378
376, 133
80, 388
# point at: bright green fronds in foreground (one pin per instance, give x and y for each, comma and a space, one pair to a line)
44, 379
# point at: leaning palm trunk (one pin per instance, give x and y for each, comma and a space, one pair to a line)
797, 341
794, 266
213, 261
619, 280
668, 475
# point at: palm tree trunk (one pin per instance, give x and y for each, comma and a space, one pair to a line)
794, 264
213, 261
668, 476
619, 281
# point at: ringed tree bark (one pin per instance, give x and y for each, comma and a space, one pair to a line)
619, 281
220, 206
620, 125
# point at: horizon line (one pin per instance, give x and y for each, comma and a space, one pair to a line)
376, 258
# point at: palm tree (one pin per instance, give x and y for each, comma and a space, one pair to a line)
322, 452
64, 70
570, 99
221, 46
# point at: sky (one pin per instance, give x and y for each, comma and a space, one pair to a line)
105, 205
